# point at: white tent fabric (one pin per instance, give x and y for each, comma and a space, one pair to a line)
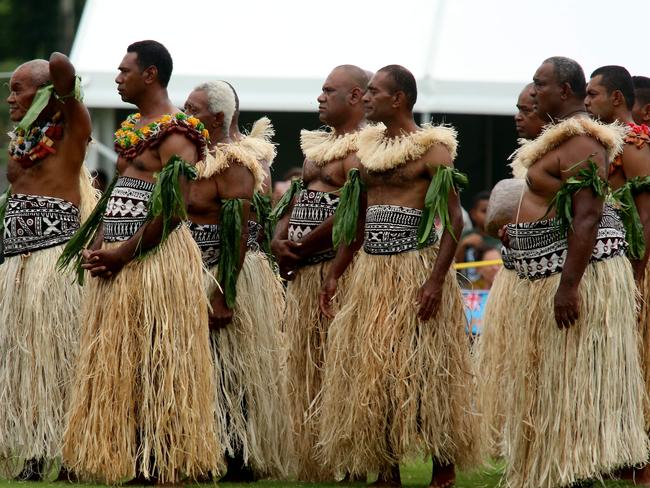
469, 56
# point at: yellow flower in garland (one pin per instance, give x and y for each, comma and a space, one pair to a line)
146, 130
205, 134
194, 121
165, 119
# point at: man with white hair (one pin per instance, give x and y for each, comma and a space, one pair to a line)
246, 355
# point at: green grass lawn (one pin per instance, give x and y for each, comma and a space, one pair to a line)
413, 476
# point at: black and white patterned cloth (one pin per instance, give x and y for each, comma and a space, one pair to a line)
506, 257
126, 209
209, 242
391, 229
35, 222
539, 249
311, 209
254, 230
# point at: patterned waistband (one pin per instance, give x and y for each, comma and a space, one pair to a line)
34, 222
539, 249
126, 210
506, 257
254, 230
209, 242
391, 229
311, 209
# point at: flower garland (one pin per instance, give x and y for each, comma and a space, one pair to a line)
37, 143
131, 140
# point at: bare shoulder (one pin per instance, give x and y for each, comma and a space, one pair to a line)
236, 181
351, 161
437, 155
179, 145
636, 160
576, 153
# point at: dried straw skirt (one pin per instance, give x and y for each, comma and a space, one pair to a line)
644, 328
492, 351
396, 387
249, 373
306, 330
573, 399
39, 339
142, 399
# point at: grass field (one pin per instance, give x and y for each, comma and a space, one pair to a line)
413, 476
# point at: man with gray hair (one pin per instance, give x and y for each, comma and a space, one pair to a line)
49, 196
573, 404
246, 354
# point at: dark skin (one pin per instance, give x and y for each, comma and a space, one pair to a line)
405, 186
142, 88
340, 106
56, 175
475, 239
611, 107
527, 121
204, 202
641, 111
557, 101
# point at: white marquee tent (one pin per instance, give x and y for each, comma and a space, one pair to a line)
469, 56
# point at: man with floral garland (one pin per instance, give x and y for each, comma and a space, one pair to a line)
50, 194
611, 98
397, 379
143, 399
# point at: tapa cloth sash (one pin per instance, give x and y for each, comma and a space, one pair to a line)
126, 209
391, 229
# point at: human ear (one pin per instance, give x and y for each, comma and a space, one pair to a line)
150, 75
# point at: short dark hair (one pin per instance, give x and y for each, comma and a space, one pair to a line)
642, 89
566, 70
153, 53
480, 196
404, 81
617, 78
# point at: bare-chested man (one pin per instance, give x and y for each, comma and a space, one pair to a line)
50, 194
492, 348
245, 340
641, 108
143, 401
611, 98
397, 376
573, 403
302, 246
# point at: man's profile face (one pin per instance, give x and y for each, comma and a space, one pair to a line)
640, 112
598, 102
21, 94
197, 105
333, 101
546, 92
379, 97
479, 212
527, 122
130, 80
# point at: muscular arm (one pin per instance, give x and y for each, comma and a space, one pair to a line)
636, 162
430, 295
76, 117
587, 211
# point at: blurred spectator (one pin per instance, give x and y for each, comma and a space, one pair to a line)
281, 186
100, 179
477, 237
486, 273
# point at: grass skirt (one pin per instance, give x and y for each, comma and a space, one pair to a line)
142, 400
573, 399
644, 328
492, 353
39, 339
395, 387
306, 334
249, 374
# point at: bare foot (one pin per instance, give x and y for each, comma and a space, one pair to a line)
442, 476
388, 478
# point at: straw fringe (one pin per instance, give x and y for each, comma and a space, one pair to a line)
322, 147
609, 135
249, 371
306, 331
142, 400
379, 153
395, 387
89, 195
38, 346
492, 353
223, 156
573, 399
644, 330
260, 141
